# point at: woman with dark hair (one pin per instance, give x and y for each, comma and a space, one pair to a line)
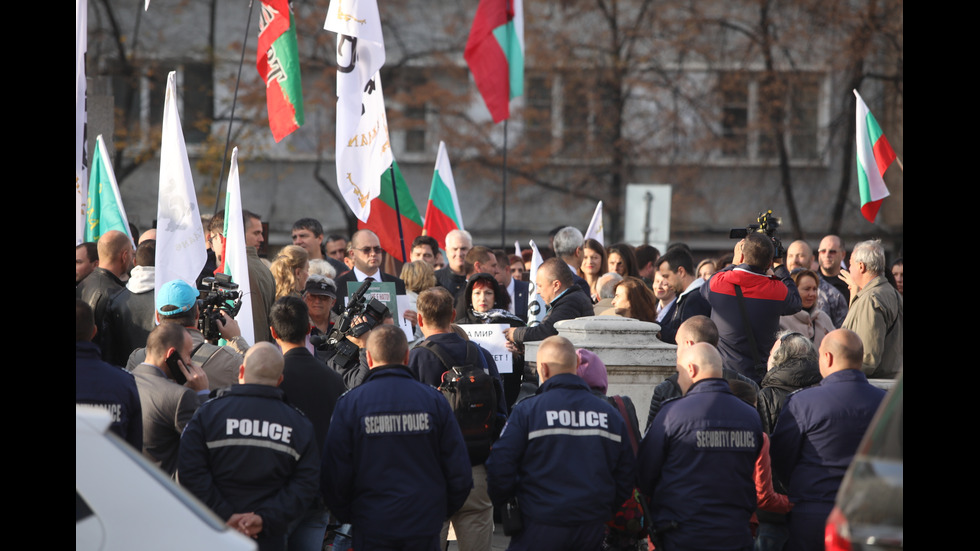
484, 301
634, 300
811, 321
622, 260
593, 265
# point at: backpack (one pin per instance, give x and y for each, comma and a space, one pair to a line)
472, 396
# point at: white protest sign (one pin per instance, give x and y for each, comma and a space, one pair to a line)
491, 337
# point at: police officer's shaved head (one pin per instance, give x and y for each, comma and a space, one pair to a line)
698, 329
556, 355
697, 362
263, 365
387, 345
839, 350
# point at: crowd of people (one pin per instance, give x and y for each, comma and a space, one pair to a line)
419, 431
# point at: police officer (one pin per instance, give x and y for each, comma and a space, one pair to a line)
397, 466
562, 442
251, 457
697, 460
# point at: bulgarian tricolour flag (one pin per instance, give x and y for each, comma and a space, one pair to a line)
233, 257
495, 54
385, 217
874, 156
278, 64
442, 213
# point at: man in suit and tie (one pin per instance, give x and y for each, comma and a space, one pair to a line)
517, 289
365, 249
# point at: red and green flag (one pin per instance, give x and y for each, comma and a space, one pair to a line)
874, 156
495, 54
384, 218
442, 212
278, 64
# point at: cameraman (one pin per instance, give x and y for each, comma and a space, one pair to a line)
354, 371
177, 303
747, 324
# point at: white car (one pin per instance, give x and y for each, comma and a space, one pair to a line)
122, 502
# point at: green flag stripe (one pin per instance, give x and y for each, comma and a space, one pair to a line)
506, 37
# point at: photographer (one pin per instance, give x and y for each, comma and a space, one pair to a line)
343, 349
177, 303
746, 303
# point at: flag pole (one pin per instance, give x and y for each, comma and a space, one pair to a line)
398, 212
503, 191
234, 100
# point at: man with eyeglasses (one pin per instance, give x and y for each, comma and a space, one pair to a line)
365, 249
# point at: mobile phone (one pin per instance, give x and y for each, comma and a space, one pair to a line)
175, 371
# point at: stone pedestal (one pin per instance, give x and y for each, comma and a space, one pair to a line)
635, 359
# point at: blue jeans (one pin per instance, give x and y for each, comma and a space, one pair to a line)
306, 533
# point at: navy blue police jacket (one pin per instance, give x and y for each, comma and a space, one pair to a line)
103, 385
395, 462
565, 454
249, 451
697, 465
817, 434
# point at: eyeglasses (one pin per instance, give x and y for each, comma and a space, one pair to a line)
367, 250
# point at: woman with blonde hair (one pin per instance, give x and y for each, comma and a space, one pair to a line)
290, 270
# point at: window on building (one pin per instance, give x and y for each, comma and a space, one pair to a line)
754, 112
573, 108
139, 101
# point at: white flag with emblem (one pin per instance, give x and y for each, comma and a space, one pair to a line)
180, 235
535, 305
363, 149
595, 227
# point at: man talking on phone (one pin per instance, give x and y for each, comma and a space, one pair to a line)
171, 388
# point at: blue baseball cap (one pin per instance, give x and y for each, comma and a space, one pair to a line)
176, 297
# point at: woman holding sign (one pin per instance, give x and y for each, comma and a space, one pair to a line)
485, 302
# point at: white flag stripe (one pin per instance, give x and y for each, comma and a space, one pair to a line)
595, 230
180, 237
236, 261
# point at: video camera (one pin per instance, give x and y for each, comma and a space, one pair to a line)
768, 224
221, 294
372, 313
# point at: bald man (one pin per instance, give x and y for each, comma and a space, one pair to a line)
250, 456
397, 466
116, 256
694, 330
818, 432
565, 300
697, 460
562, 442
